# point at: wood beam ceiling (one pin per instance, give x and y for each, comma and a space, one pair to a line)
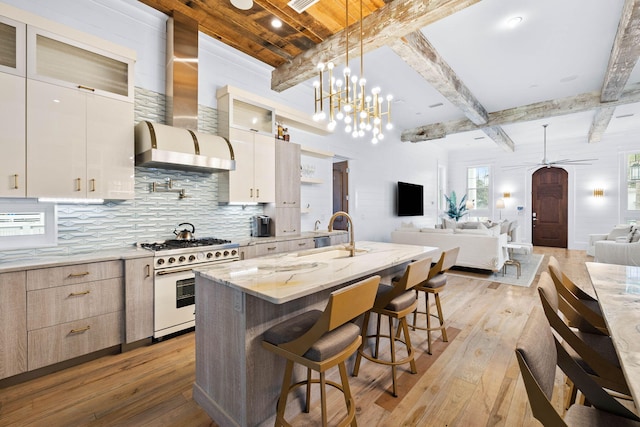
539, 110
623, 58
392, 21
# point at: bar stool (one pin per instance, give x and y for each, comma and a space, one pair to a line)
394, 301
321, 340
436, 281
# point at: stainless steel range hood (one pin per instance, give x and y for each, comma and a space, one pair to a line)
178, 145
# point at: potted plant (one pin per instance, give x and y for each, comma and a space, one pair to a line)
454, 210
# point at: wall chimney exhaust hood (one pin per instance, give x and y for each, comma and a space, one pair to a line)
178, 145
162, 146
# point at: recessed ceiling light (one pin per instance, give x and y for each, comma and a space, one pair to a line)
242, 4
439, 104
276, 23
514, 22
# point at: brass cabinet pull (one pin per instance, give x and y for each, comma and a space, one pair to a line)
271, 248
147, 270
15, 181
251, 192
86, 88
257, 193
76, 331
93, 184
302, 244
72, 275
76, 294
78, 186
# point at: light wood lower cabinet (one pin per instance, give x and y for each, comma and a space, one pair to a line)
301, 245
72, 339
271, 248
73, 310
13, 318
138, 291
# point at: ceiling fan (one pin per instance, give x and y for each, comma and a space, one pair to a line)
551, 163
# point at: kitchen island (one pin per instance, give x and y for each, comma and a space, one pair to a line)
237, 380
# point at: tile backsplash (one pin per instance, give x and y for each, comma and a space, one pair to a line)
150, 216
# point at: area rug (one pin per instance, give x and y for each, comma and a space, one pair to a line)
529, 266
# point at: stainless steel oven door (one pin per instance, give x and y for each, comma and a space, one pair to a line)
174, 301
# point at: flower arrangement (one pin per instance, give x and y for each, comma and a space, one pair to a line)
454, 210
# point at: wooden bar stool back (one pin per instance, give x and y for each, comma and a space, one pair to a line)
435, 283
320, 340
395, 301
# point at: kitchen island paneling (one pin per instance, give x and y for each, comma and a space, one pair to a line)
238, 381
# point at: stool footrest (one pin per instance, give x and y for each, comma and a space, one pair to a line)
387, 362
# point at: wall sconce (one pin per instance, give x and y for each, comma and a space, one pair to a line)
598, 192
506, 195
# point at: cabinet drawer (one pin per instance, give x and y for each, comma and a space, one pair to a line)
52, 306
68, 340
301, 244
72, 274
270, 248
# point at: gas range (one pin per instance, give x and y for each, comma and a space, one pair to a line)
176, 253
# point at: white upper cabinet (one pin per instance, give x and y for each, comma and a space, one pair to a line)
12, 136
79, 120
12, 45
57, 59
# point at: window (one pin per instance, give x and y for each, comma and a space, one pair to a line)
633, 181
478, 186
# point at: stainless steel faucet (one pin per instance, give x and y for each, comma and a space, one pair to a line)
316, 227
352, 241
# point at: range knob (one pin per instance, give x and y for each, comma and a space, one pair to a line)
171, 260
234, 252
226, 253
218, 254
182, 258
209, 255
161, 261
192, 257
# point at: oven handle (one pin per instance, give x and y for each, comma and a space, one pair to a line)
182, 270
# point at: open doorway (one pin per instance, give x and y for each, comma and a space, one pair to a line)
340, 193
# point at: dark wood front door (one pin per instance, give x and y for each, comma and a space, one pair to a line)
340, 193
549, 199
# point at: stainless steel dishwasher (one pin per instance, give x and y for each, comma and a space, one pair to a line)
322, 241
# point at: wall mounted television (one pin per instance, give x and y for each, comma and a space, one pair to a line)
410, 199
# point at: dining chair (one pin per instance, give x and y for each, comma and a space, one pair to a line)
538, 353
589, 313
395, 301
320, 340
594, 352
435, 283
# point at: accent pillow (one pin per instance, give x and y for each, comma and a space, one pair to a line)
450, 224
472, 225
504, 227
619, 231
636, 236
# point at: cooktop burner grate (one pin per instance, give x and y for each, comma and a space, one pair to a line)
179, 244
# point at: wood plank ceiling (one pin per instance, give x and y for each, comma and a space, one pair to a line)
317, 34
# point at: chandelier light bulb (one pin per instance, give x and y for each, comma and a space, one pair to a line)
376, 121
374, 140
363, 81
347, 108
339, 115
362, 125
354, 79
355, 134
347, 119
339, 83
321, 115
363, 114
389, 126
321, 66
316, 118
376, 131
361, 132
346, 72
380, 136
389, 97
368, 128
316, 84
375, 90
331, 125
330, 65
368, 98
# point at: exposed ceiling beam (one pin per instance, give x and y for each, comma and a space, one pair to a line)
419, 54
600, 123
392, 21
625, 52
623, 58
539, 110
415, 50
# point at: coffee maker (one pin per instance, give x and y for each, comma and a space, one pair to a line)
260, 225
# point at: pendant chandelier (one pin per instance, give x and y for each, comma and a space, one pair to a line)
347, 99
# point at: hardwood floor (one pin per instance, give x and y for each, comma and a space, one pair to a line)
474, 382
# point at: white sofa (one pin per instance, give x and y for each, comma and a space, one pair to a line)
620, 246
478, 248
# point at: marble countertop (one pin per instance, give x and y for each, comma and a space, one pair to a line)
303, 235
618, 291
46, 261
285, 277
